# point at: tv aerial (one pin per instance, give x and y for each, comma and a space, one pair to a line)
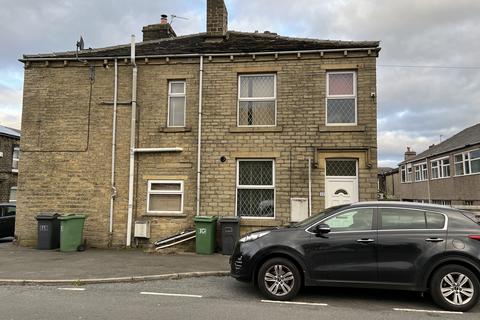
80, 44
174, 16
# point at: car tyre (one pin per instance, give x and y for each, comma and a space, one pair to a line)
455, 288
279, 279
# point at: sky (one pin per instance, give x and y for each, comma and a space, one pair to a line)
428, 72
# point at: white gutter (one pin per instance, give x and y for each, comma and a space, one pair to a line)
114, 138
189, 55
199, 142
309, 187
132, 145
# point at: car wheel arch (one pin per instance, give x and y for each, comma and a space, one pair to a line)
280, 254
457, 260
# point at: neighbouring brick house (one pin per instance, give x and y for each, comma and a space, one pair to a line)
447, 173
9, 158
225, 123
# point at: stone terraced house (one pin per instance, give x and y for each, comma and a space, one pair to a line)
256, 125
9, 159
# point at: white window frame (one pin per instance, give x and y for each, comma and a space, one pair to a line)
354, 96
422, 169
177, 192
177, 95
403, 173
466, 161
440, 167
238, 186
9, 199
15, 160
240, 99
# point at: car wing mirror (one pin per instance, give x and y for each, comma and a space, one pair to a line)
322, 228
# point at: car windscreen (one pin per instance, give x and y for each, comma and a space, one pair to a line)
315, 217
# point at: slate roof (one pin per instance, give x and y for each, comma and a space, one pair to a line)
235, 42
463, 139
6, 131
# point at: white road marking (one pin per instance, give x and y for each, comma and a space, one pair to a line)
298, 303
427, 311
171, 294
72, 289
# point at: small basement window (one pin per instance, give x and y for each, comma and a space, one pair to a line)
165, 196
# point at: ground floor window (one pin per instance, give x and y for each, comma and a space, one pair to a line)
256, 188
13, 194
165, 196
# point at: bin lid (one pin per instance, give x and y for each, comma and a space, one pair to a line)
47, 216
205, 219
229, 219
72, 216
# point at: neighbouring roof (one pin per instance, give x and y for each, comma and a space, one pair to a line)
463, 139
6, 131
235, 42
386, 170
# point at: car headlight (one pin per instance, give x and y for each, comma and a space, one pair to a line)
254, 236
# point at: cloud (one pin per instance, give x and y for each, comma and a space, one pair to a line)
415, 105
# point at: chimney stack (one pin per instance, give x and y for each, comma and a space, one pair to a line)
409, 154
217, 18
160, 30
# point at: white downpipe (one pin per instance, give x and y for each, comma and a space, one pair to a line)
199, 143
132, 145
114, 141
146, 150
309, 187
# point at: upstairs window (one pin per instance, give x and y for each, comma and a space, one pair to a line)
440, 168
13, 194
341, 98
467, 163
176, 103
257, 100
15, 158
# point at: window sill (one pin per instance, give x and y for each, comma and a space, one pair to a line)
169, 215
246, 222
255, 129
175, 129
345, 128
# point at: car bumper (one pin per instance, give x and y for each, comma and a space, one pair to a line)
241, 262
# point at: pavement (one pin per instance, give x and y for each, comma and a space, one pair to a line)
20, 265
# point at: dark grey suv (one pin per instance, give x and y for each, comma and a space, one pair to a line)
392, 245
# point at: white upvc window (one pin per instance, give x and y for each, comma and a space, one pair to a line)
13, 194
177, 103
341, 100
467, 162
15, 158
440, 168
257, 100
255, 188
406, 173
421, 172
165, 196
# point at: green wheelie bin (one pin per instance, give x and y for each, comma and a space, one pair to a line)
206, 232
71, 232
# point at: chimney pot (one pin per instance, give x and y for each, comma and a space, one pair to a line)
409, 154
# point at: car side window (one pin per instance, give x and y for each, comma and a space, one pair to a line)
352, 220
10, 211
435, 220
396, 218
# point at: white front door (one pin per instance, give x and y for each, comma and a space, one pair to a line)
341, 182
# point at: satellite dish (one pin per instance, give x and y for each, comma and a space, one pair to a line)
80, 44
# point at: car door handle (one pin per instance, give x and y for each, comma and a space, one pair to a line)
365, 240
434, 239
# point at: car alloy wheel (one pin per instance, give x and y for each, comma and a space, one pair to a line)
279, 280
457, 288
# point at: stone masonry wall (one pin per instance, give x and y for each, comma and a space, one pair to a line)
63, 171
8, 178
